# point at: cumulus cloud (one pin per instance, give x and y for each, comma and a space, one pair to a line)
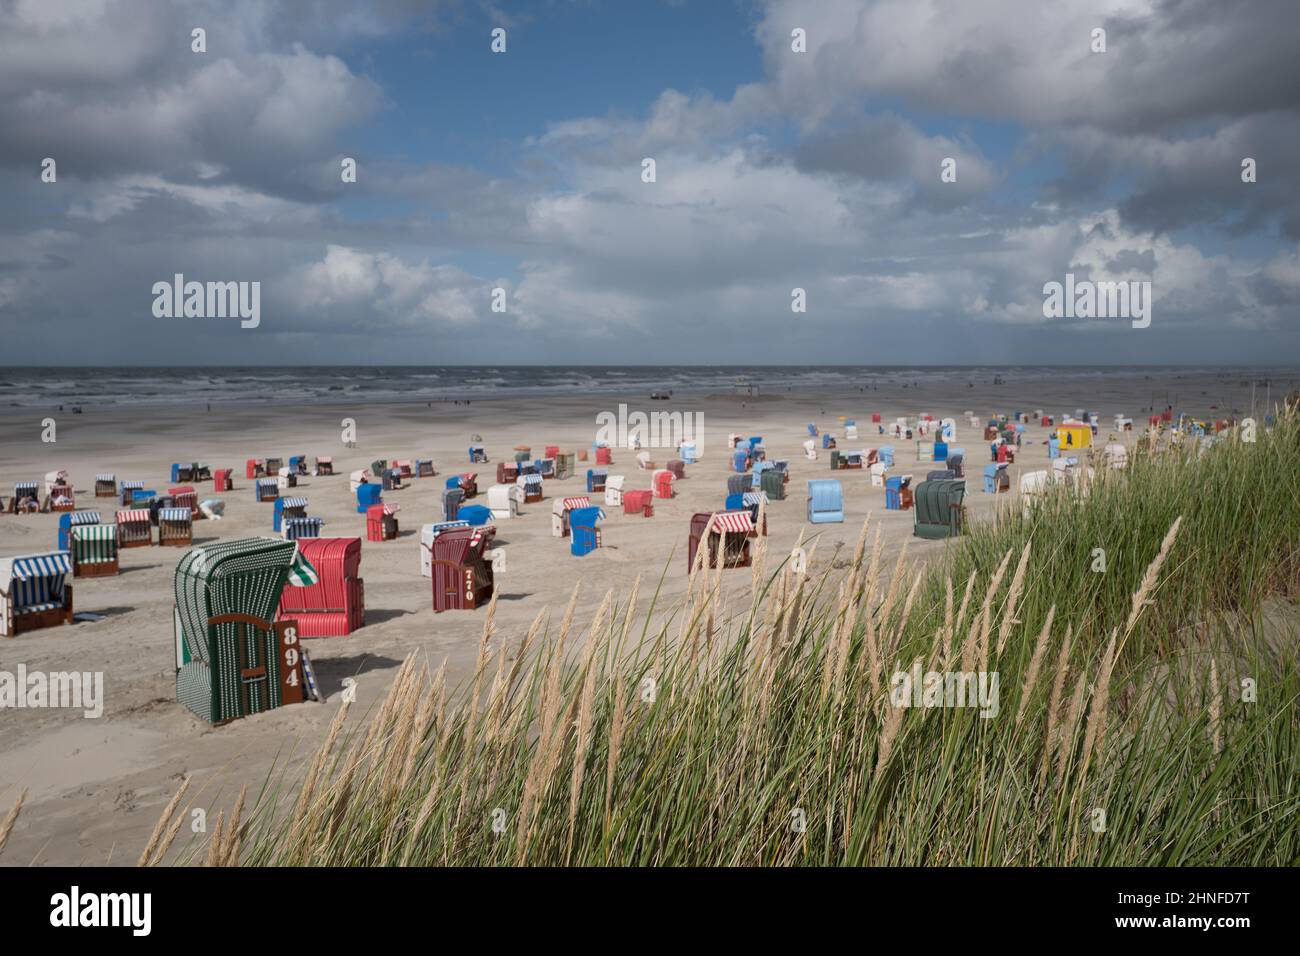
823, 175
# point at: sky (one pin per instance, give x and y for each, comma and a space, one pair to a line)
516, 179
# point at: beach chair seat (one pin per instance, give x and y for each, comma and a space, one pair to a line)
596, 478
825, 501
532, 486
70, 520
584, 532
93, 550
185, 496
477, 455
368, 495
175, 527
301, 527
381, 522
232, 658
288, 507
662, 483
34, 592
461, 573
809, 450
266, 489
614, 490
134, 528
725, 536
773, 484
128, 491
561, 510
106, 485
324, 465
475, 515
503, 502
451, 502
335, 605
638, 501
221, 480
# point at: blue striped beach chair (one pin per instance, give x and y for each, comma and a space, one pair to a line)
301, 527
129, 488
34, 592
73, 519
288, 507
175, 527
27, 497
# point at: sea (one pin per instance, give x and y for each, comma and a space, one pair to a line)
89, 387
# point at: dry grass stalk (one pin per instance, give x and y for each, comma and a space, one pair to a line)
152, 853
1096, 735
1035, 663
1066, 748
1054, 702
1142, 597
7, 825
965, 602
1013, 597
617, 727
217, 843
1216, 712
985, 620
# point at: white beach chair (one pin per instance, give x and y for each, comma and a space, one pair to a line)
810, 450
502, 504
878, 471
614, 491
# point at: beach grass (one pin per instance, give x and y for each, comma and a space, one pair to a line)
1146, 713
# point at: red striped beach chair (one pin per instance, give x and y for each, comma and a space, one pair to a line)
335, 606
134, 529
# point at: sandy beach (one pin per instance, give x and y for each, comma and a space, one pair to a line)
95, 786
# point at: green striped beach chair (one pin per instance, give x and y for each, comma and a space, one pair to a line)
94, 550
232, 657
